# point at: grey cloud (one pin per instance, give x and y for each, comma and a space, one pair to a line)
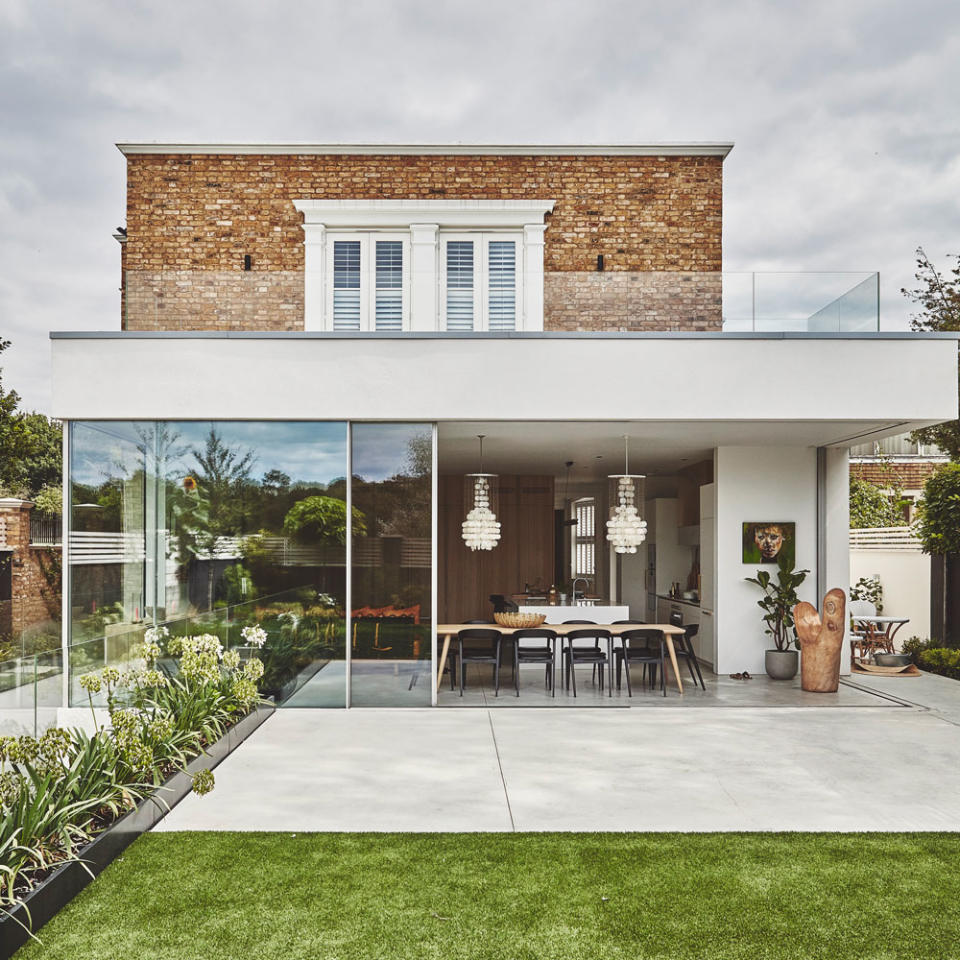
844, 115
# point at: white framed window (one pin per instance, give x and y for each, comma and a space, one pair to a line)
369, 262
369, 280
584, 559
481, 281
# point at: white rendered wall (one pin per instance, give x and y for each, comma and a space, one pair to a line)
758, 484
905, 578
837, 522
409, 377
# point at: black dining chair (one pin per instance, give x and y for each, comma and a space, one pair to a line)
685, 651
567, 623
483, 647
596, 656
451, 665
526, 651
641, 647
683, 647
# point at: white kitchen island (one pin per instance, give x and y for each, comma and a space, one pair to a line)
597, 612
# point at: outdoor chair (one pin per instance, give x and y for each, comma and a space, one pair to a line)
596, 656
637, 646
483, 647
864, 638
529, 652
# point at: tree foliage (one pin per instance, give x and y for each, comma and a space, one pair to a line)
322, 519
938, 513
30, 446
224, 477
871, 506
937, 295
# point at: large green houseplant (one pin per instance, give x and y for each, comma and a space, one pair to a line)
779, 599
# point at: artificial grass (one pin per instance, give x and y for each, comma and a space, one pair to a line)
344, 896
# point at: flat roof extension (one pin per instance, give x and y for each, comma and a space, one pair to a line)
693, 149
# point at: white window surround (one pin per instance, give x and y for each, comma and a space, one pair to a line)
426, 222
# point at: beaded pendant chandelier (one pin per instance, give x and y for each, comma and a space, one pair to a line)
481, 529
626, 528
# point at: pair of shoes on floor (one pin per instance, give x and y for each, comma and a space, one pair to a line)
741, 676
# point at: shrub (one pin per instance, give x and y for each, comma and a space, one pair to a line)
938, 513
871, 506
915, 646
942, 660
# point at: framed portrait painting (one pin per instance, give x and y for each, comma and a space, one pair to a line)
768, 542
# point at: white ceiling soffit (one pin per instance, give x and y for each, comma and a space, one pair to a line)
540, 447
692, 149
445, 213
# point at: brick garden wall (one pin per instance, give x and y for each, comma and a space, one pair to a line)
35, 573
192, 218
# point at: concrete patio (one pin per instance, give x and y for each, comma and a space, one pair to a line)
878, 755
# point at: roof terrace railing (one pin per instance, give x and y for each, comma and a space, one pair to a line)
609, 300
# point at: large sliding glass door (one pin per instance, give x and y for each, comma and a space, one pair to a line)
321, 533
391, 564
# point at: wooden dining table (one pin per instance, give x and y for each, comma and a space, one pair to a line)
449, 630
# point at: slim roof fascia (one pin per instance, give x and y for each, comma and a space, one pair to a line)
692, 149
502, 335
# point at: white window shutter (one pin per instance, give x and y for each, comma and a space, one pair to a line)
388, 285
346, 285
460, 284
502, 284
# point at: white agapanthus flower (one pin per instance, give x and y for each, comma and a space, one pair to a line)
254, 636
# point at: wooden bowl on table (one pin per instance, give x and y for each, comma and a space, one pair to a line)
520, 621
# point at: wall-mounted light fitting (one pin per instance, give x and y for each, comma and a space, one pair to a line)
247, 261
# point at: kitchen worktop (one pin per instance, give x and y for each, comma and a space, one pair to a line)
689, 603
597, 612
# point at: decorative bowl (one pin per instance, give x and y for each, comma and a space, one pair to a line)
521, 621
892, 659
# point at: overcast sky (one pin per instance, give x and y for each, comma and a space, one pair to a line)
844, 114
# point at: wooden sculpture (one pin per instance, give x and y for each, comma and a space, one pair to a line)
821, 642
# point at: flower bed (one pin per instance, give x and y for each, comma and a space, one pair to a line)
63, 794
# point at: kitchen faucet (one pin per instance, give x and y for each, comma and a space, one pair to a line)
586, 583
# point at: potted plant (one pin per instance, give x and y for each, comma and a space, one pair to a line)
779, 599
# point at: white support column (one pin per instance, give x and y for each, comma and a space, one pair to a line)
533, 276
424, 313
66, 581
835, 528
314, 269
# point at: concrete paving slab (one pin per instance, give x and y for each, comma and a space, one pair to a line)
738, 766
420, 770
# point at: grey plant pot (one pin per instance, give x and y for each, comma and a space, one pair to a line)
781, 664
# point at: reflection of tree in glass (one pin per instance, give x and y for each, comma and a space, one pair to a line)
323, 520
224, 474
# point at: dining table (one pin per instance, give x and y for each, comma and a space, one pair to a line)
449, 630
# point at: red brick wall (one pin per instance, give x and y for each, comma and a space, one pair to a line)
35, 574
200, 214
910, 476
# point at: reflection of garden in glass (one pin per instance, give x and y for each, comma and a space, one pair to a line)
392, 564
210, 525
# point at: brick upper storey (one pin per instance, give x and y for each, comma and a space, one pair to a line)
192, 217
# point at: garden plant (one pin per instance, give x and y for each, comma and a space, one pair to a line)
61, 789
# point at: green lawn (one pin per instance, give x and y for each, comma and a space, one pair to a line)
272, 895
